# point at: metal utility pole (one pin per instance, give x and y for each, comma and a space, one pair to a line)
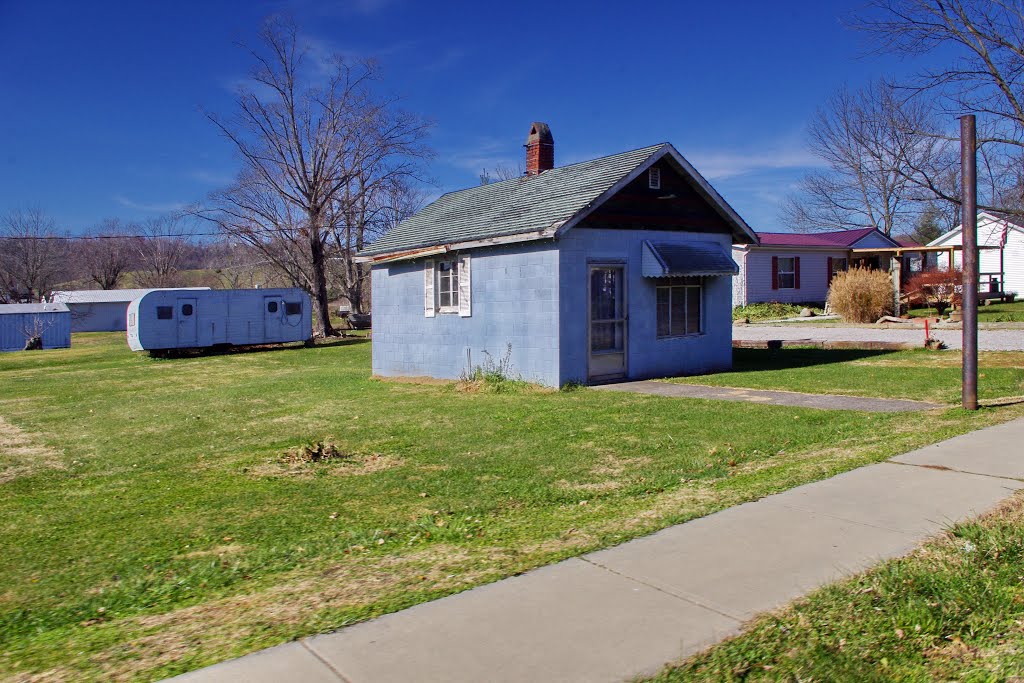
969, 232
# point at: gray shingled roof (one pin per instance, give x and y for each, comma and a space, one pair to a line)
511, 207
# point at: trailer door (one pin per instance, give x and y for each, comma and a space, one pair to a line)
273, 315
187, 325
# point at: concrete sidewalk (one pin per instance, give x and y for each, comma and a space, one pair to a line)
626, 611
779, 398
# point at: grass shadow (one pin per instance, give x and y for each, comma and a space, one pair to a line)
264, 348
758, 360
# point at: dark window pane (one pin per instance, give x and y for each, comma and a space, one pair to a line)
606, 337
164, 312
186, 309
663, 311
292, 308
605, 293
678, 309
693, 310
787, 281
271, 307
445, 299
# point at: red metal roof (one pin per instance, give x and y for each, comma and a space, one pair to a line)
839, 238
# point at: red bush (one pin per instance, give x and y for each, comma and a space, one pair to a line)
935, 287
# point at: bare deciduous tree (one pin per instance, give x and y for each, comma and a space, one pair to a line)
162, 251
32, 259
313, 147
871, 142
368, 209
108, 253
982, 45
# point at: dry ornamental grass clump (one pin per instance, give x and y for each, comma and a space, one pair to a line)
860, 295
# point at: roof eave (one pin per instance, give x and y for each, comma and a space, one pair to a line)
433, 250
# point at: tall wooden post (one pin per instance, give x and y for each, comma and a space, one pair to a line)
969, 223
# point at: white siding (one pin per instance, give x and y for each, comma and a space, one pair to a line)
757, 276
739, 289
989, 233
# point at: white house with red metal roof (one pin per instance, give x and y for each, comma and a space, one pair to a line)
798, 267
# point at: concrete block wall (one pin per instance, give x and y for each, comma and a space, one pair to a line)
647, 356
514, 292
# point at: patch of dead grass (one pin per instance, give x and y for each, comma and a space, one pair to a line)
21, 455
353, 466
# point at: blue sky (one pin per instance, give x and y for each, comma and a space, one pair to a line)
100, 107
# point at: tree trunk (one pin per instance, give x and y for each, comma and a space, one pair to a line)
322, 320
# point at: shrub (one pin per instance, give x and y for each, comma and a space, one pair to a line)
860, 295
936, 288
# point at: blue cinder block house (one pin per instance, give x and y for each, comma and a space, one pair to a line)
598, 271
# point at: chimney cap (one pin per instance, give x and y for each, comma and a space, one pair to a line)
540, 132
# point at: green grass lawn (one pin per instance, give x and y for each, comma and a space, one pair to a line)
151, 520
952, 611
919, 374
993, 313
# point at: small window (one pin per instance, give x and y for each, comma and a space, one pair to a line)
271, 307
448, 286
654, 178
164, 312
186, 310
787, 273
292, 308
838, 266
679, 303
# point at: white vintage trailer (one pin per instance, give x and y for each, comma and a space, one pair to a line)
194, 319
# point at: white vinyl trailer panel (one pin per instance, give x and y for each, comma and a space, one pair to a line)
195, 319
21, 322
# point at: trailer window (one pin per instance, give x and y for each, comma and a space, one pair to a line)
292, 308
271, 307
186, 309
164, 312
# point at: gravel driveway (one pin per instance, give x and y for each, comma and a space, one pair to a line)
988, 340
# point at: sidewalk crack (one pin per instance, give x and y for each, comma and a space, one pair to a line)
684, 598
330, 667
946, 468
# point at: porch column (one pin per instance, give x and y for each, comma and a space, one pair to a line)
895, 269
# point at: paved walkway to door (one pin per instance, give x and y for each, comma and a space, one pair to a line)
625, 612
780, 398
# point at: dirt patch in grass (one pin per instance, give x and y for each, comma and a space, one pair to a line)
21, 455
216, 551
324, 457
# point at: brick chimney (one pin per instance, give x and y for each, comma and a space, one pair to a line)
540, 149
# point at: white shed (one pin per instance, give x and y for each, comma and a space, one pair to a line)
21, 322
193, 319
1003, 258
100, 310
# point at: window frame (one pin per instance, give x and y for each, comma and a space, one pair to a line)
165, 312
836, 260
780, 272
454, 273
292, 308
683, 285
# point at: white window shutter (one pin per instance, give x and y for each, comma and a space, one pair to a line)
465, 289
429, 308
